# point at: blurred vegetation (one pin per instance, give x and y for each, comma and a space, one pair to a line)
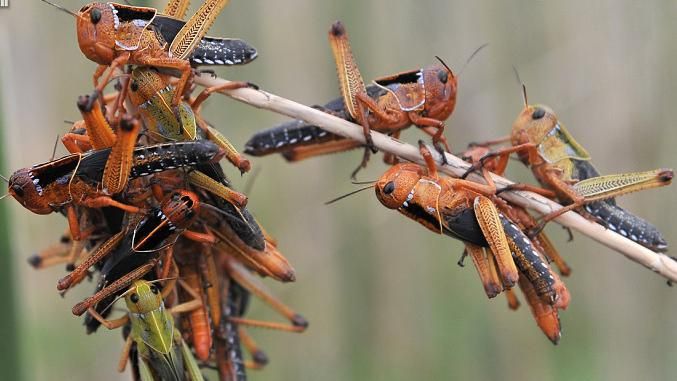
384, 297
9, 356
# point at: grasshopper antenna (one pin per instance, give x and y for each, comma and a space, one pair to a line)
466, 61
362, 182
4, 179
56, 142
472, 56
59, 7
348, 194
524, 87
252, 179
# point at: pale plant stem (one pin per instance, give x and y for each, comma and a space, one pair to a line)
659, 263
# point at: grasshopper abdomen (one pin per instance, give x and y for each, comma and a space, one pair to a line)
529, 263
621, 221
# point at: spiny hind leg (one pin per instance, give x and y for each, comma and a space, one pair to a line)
176, 8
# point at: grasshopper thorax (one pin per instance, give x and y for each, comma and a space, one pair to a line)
440, 91
539, 125
146, 83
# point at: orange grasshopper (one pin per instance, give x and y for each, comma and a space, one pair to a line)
75, 180
114, 35
158, 228
546, 316
563, 168
424, 97
99, 135
464, 210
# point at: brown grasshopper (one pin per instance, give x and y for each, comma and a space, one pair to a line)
75, 180
114, 35
463, 209
424, 97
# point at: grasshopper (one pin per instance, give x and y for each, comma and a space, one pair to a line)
424, 97
159, 227
151, 92
163, 354
562, 166
75, 180
546, 315
463, 209
114, 35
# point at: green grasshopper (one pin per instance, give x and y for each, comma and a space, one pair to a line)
162, 352
151, 92
563, 168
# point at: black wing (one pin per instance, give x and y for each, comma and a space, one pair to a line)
298, 133
210, 50
463, 225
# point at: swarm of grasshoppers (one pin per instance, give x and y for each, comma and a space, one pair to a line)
149, 207
151, 212
506, 243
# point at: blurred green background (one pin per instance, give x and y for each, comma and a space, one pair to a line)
385, 298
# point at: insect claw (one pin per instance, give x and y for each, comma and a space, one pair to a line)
253, 86
440, 149
260, 358
506, 188
472, 169
461, 261
35, 261
90, 102
533, 232
299, 321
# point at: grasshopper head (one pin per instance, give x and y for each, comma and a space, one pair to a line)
394, 188
532, 126
181, 208
440, 91
146, 82
143, 297
535, 121
25, 188
96, 24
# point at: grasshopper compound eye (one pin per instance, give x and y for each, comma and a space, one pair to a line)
538, 113
153, 289
95, 16
18, 190
443, 76
134, 298
389, 188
